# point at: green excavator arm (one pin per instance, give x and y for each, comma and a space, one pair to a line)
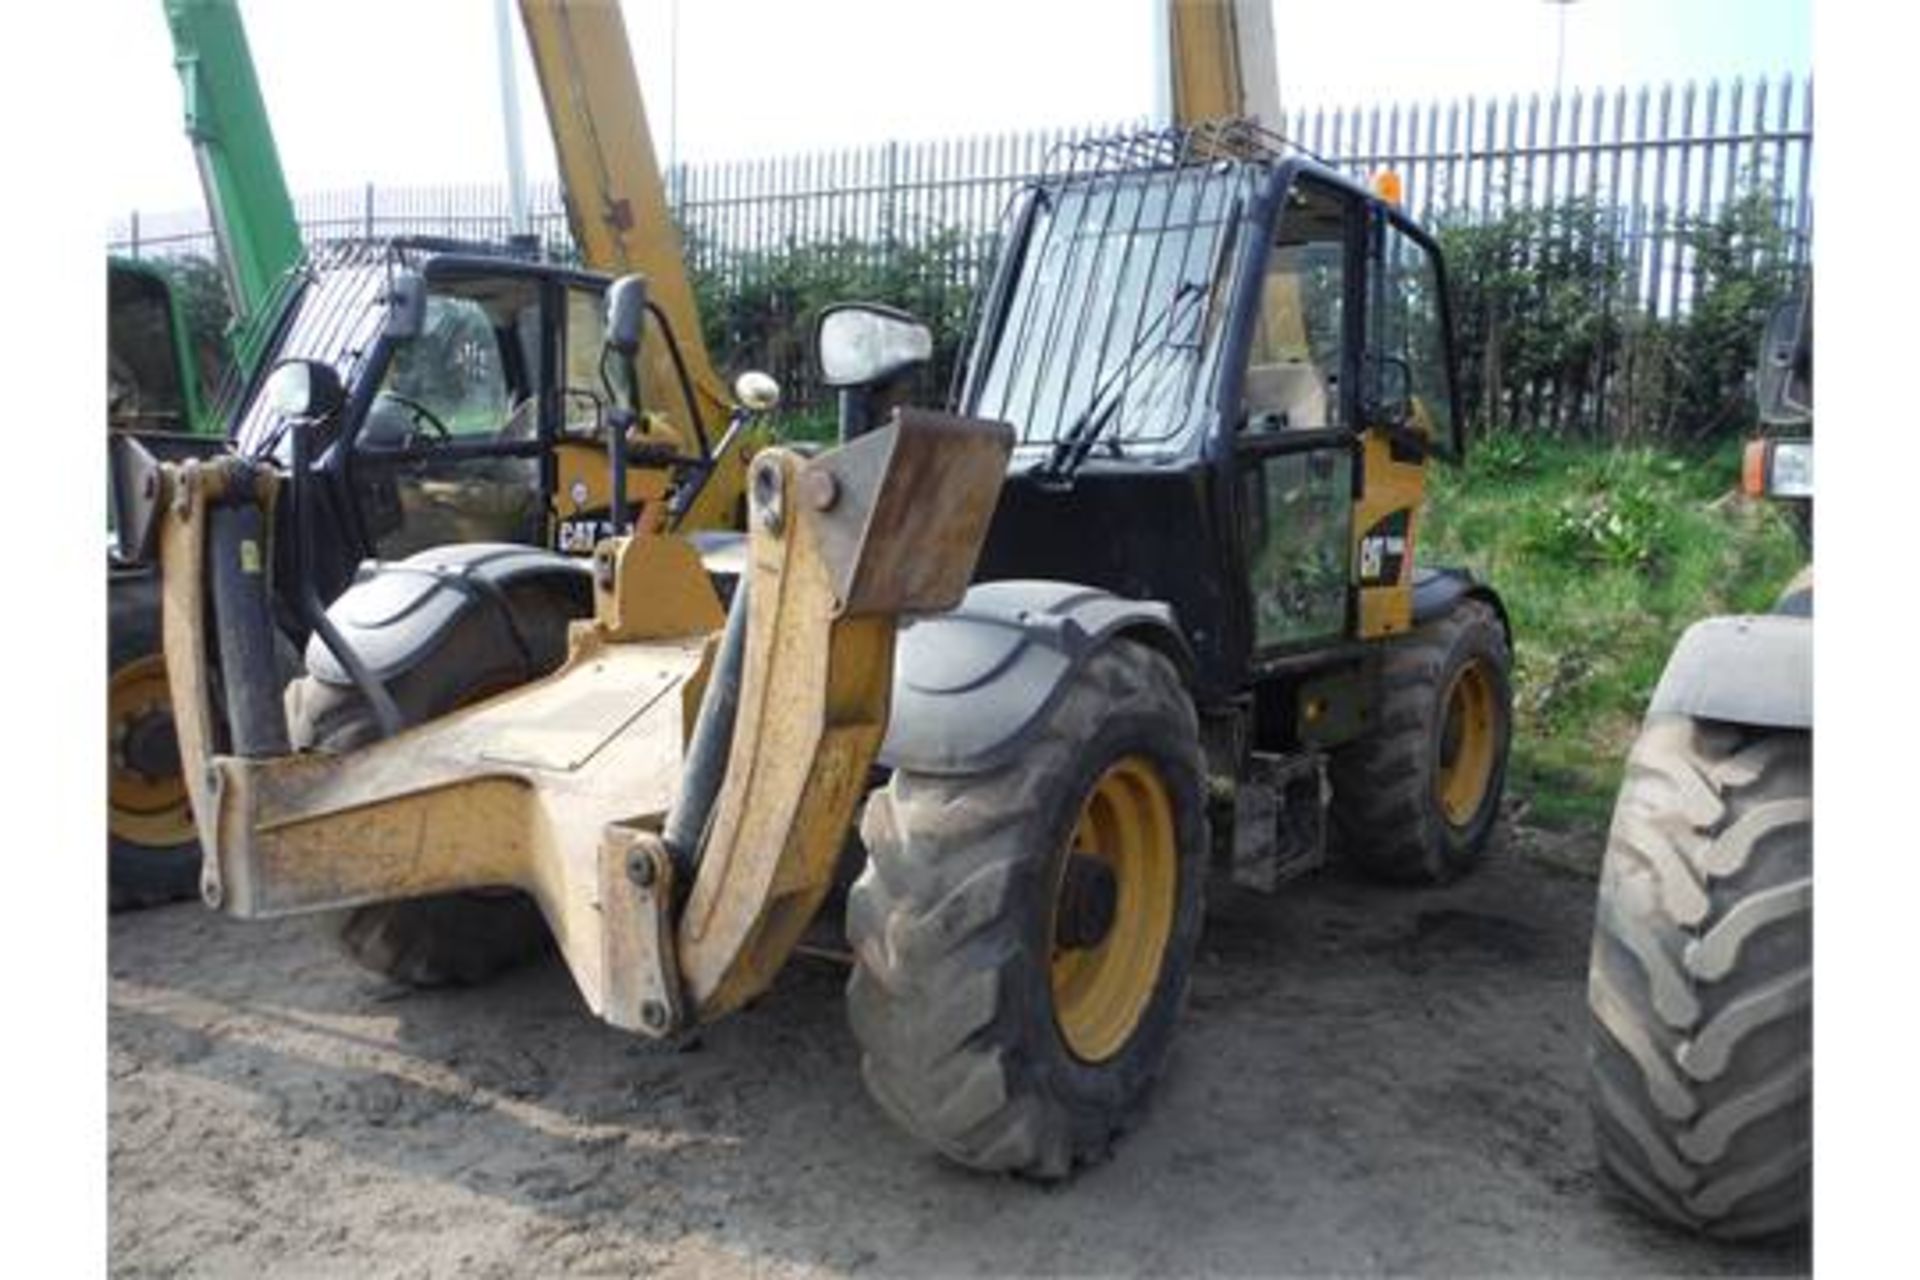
240, 174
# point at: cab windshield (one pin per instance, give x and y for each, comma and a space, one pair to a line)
1106, 341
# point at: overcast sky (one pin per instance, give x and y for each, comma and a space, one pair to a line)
404, 91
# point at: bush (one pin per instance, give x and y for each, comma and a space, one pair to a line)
1536, 331
202, 296
1701, 364
758, 309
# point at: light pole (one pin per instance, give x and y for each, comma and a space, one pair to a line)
518, 212
1560, 55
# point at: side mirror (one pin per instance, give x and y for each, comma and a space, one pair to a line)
1392, 392
1783, 377
133, 486
306, 390
406, 306
626, 314
860, 344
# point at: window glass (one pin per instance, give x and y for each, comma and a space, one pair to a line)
1408, 342
143, 376
452, 377
583, 397
1110, 328
1293, 365
1299, 508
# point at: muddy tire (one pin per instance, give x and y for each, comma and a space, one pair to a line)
1415, 800
458, 939
1022, 938
153, 855
1700, 1067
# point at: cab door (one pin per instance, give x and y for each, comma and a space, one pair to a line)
1410, 413
1294, 450
451, 447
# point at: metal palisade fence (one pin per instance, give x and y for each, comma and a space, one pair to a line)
1651, 161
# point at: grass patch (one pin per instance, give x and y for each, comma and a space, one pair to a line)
1603, 556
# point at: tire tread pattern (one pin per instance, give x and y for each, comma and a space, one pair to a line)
1384, 815
1700, 987
942, 995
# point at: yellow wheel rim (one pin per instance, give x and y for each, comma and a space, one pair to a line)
1101, 990
1468, 742
142, 810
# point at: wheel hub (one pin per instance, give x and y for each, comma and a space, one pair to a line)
149, 746
1113, 909
1468, 744
1088, 894
146, 798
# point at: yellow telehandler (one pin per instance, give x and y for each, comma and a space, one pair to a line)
1140, 606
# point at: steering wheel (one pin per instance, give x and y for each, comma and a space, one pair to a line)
421, 414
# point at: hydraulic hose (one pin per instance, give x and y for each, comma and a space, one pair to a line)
706, 762
308, 595
243, 631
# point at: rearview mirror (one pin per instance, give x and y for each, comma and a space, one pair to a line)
1392, 392
307, 390
626, 313
133, 490
1783, 378
858, 344
406, 306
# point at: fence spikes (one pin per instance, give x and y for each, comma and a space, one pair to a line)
1673, 155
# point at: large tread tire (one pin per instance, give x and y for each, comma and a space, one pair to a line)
1385, 815
951, 928
1700, 991
459, 939
142, 875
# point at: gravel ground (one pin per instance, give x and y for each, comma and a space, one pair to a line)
1369, 1081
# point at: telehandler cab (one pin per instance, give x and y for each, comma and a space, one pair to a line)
1183, 475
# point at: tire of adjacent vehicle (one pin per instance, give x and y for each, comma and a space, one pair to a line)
458, 939
1700, 990
1385, 813
142, 875
951, 926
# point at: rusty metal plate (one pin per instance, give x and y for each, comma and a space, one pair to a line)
927, 484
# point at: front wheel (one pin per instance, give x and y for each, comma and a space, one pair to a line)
1022, 938
153, 851
457, 939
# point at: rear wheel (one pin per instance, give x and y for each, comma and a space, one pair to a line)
1416, 799
1700, 991
457, 939
153, 853
1022, 938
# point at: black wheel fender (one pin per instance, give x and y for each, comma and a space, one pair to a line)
397, 613
1437, 590
970, 685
